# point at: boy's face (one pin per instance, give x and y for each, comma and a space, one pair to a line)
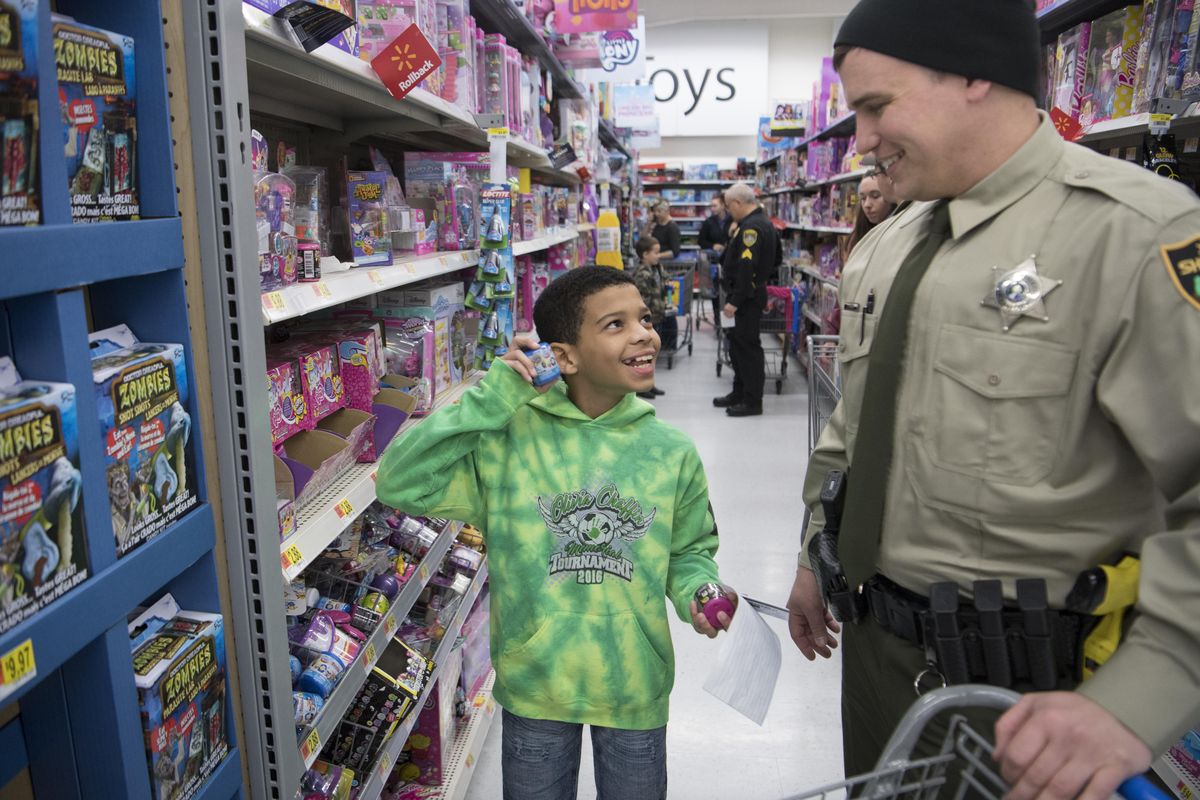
616, 348
650, 257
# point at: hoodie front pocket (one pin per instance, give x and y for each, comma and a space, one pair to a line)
589, 660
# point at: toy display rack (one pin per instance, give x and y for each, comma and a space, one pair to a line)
355, 675
236, 65
336, 91
373, 786
77, 729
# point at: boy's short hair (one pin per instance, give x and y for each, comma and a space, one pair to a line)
558, 312
644, 245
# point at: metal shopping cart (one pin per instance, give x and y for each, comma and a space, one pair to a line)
824, 384
683, 272
775, 332
962, 768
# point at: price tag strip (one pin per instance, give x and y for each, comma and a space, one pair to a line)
17, 668
310, 748
344, 508
291, 559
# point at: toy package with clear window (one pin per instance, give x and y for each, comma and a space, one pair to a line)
43, 550
19, 204
98, 98
142, 393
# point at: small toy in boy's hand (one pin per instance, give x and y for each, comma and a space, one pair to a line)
545, 367
712, 599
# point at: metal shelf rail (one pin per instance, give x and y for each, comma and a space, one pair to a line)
77, 729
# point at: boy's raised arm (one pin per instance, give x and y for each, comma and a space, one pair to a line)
433, 469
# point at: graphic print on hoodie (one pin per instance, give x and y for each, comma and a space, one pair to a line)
591, 526
595, 531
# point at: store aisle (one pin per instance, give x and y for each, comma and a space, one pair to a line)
754, 468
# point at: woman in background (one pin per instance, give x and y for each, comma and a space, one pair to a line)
875, 204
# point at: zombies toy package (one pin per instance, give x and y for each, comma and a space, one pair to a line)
142, 393
179, 669
98, 98
43, 551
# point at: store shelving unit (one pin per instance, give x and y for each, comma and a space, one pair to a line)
337, 92
1066, 14
502, 16
609, 138
545, 242
842, 127
78, 730
1176, 777
792, 226
373, 785
237, 65
341, 287
326, 724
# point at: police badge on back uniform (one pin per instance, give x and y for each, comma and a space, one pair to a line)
1020, 292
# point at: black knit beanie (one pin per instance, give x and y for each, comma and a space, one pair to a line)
992, 40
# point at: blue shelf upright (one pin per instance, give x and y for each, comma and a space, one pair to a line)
77, 728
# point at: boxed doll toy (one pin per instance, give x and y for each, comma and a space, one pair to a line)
141, 392
43, 552
19, 114
179, 671
371, 240
98, 94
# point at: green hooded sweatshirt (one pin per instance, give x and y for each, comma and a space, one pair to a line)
588, 522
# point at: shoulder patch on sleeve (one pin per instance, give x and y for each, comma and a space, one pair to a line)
749, 237
1183, 263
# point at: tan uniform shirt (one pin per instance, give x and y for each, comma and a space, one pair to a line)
1073, 436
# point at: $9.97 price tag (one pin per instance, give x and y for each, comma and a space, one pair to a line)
17, 667
311, 747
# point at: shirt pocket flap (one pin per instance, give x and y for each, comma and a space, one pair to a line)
1002, 367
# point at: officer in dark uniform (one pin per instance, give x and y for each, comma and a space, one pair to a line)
751, 258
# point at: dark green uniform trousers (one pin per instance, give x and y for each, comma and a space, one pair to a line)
878, 670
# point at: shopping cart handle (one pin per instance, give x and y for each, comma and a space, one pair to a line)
1139, 787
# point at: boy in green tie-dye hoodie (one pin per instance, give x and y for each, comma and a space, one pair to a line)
593, 511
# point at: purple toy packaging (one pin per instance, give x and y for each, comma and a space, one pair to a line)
371, 241
19, 124
98, 96
43, 551
142, 393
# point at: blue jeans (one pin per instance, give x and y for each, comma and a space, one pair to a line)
540, 760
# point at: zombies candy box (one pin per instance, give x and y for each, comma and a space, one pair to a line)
98, 98
141, 390
43, 552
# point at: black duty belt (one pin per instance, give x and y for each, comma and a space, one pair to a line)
987, 641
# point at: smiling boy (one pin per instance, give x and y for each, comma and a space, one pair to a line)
593, 511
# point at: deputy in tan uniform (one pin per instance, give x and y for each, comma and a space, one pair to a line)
1041, 412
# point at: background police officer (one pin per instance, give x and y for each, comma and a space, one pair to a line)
751, 258
1018, 354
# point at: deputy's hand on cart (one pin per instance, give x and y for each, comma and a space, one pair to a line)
521, 363
811, 624
1054, 745
701, 623
730, 310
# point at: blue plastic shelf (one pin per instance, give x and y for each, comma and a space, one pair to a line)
63, 628
52, 257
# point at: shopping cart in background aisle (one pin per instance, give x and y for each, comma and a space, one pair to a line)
824, 384
962, 768
681, 273
775, 332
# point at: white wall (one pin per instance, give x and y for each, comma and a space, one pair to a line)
795, 49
